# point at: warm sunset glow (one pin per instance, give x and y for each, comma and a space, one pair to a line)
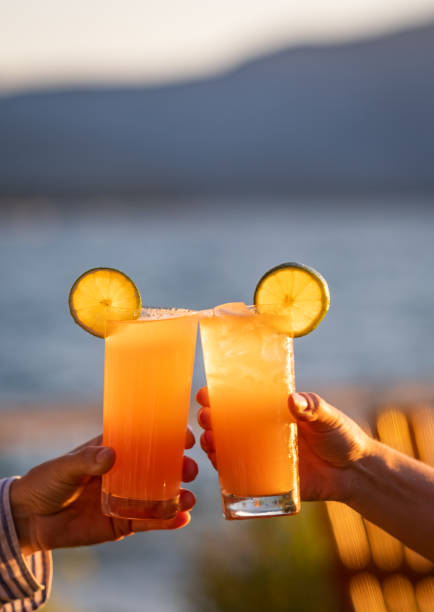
366, 594
399, 594
48, 42
422, 418
350, 535
356, 546
393, 429
387, 551
417, 562
425, 594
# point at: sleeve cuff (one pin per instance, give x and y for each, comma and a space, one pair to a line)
20, 577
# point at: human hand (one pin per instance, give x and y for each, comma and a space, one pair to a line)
204, 420
58, 503
330, 444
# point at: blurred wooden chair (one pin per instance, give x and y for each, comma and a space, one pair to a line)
379, 574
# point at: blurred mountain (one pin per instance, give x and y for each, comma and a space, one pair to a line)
351, 117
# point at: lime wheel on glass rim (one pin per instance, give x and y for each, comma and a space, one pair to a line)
298, 294
101, 295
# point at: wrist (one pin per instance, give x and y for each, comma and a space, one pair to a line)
22, 515
362, 471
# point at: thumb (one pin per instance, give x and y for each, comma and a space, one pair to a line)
331, 434
311, 408
74, 467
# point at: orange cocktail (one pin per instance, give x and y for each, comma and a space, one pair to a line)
249, 370
147, 382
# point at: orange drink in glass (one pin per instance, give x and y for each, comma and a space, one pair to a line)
147, 382
249, 367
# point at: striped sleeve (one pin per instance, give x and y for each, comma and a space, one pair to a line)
25, 582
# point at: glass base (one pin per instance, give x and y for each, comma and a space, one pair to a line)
123, 507
238, 508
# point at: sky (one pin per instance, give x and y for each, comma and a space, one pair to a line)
53, 42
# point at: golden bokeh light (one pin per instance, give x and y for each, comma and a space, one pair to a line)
393, 429
425, 594
350, 535
417, 563
399, 594
363, 545
366, 594
422, 419
387, 551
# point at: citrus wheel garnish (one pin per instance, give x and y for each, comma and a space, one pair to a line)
101, 295
299, 295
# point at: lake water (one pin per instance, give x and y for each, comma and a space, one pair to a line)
377, 256
378, 260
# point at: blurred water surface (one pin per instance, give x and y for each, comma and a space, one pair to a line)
377, 256
378, 260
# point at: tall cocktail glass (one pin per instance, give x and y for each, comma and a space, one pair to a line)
147, 383
250, 372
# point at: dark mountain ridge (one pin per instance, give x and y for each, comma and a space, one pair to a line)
354, 117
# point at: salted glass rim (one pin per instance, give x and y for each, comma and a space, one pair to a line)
150, 313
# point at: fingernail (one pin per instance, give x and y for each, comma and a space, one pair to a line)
300, 402
103, 455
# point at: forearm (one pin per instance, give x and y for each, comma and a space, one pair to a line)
396, 493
